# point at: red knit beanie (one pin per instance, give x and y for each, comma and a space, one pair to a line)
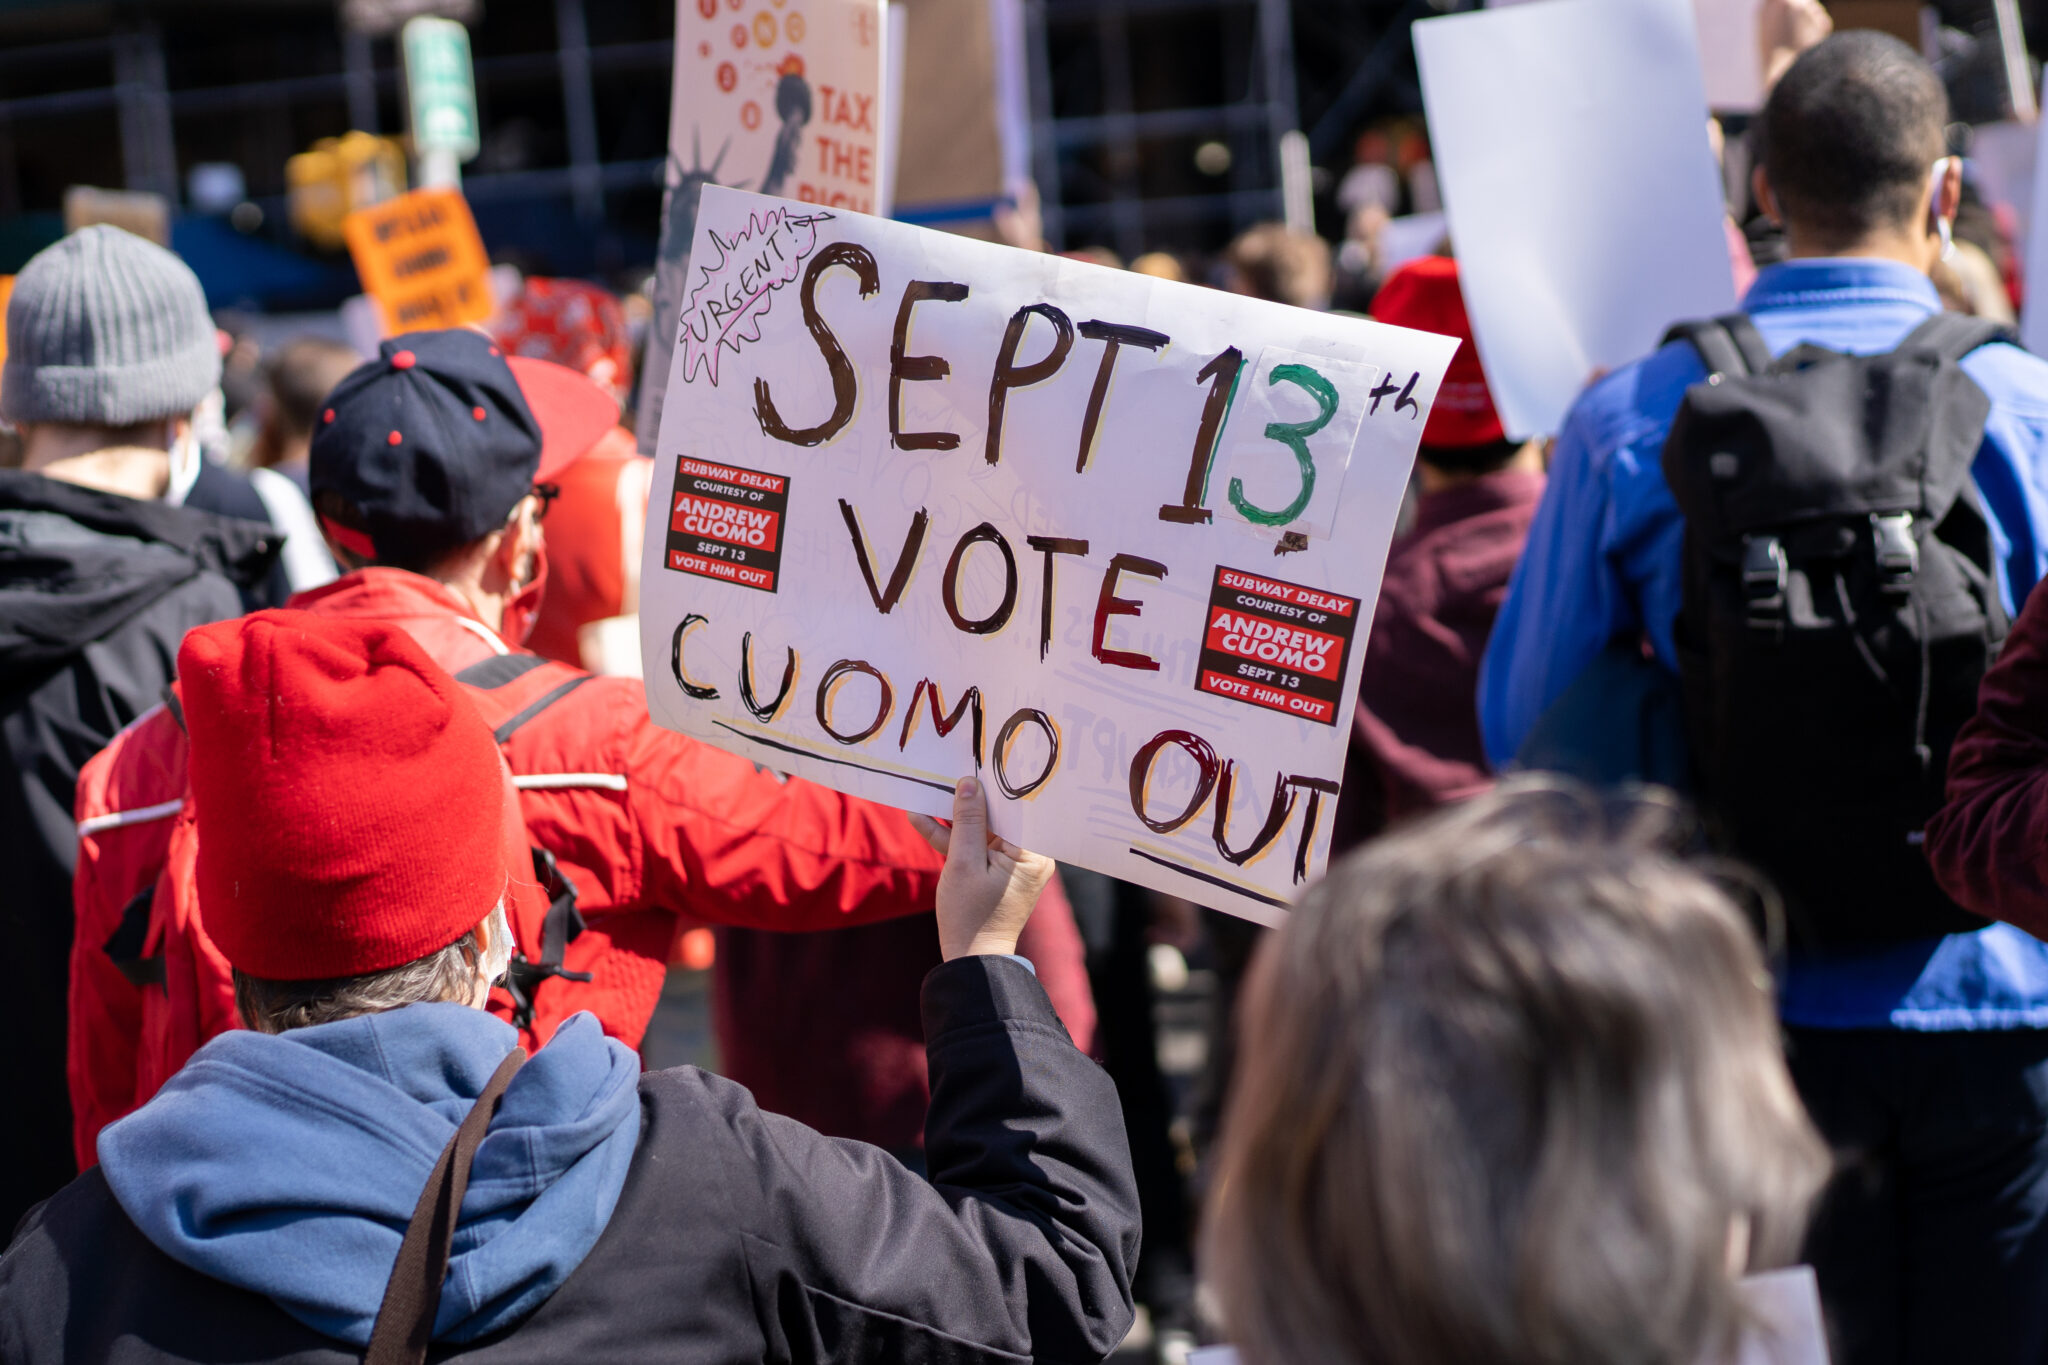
353, 811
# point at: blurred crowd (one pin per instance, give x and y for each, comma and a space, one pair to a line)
1675, 940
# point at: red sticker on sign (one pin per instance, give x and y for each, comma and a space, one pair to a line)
1277, 645
726, 523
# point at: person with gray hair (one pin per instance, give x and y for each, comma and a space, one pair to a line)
376, 1165
1510, 1091
109, 350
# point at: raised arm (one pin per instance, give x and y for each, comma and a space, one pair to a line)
1603, 555
1025, 1238
1563, 603
735, 844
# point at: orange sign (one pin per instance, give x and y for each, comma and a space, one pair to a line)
6, 293
419, 256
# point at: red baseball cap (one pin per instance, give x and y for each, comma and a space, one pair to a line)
354, 813
1424, 295
574, 412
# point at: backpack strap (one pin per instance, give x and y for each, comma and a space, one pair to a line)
501, 670
412, 1296
562, 922
172, 705
1954, 335
538, 705
124, 946
498, 670
559, 928
1729, 344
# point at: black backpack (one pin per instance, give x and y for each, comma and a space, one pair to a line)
1839, 610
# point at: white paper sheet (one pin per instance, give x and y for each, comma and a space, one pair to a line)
1570, 140
1785, 1323
2034, 257
1412, 235
1729, 58
1171, 667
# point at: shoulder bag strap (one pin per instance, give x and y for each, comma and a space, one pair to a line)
412, 1298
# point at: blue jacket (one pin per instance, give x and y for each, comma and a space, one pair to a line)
1604, 555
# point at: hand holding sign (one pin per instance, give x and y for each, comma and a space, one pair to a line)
931, 505
989, 886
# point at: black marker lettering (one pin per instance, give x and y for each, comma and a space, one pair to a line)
1115, 335
1050, 546
906, 558
918, 367
845, 387
1010, 375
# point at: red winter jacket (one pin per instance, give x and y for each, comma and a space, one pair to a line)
1988, 845
646, 823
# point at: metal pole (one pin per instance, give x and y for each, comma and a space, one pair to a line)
439, 169
10, 177
579, 109
1119, 105
1276, 48
1297, 195
1045, 151
2012, 43
143, 100
359, 70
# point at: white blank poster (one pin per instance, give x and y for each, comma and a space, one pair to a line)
1571, 144
2034, 255
1729, 56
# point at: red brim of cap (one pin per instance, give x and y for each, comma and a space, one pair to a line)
573, 411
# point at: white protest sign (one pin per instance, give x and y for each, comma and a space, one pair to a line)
773, 98
1571, 145
926, 506
1783, 1321
2034, 248
1731, 59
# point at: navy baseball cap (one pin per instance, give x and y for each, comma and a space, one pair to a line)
435, 442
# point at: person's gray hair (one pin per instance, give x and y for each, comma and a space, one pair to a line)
450, 974
1510, 1089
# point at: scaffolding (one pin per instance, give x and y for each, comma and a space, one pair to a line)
1090, 165
147, 109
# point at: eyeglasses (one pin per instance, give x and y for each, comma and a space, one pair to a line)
545, 494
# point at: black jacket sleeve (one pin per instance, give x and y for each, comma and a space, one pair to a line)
1022, 1244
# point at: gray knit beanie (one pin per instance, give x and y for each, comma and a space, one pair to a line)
106, 329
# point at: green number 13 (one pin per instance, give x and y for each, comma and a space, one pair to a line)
1293, 435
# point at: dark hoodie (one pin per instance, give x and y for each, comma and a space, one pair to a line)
289, 1164
96, 591
251, 1211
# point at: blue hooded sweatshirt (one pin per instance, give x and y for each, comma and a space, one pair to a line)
290, 1164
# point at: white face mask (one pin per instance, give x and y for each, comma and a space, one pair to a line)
1942, 226
186, 454
498, 957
